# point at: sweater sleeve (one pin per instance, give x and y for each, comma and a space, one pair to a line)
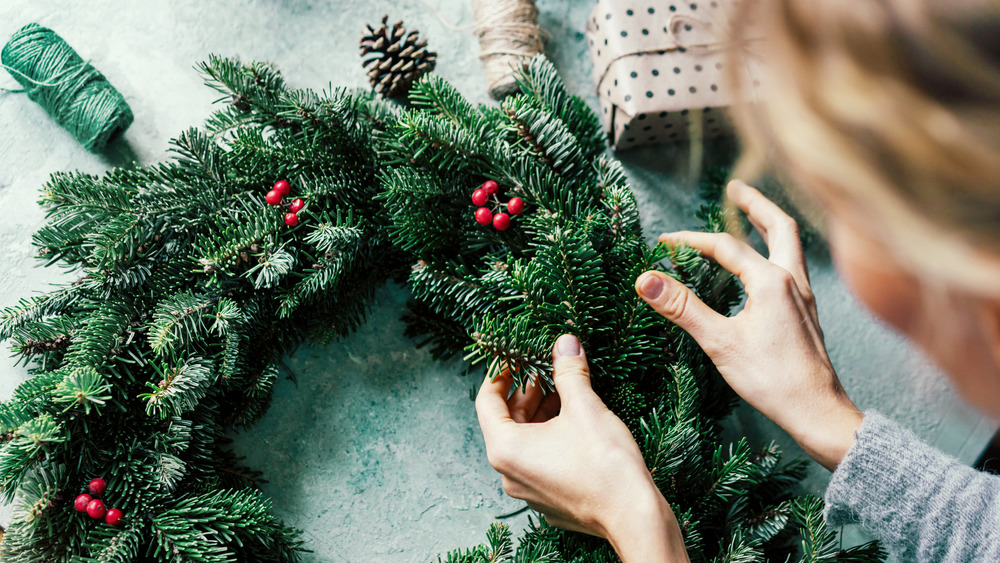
922, 504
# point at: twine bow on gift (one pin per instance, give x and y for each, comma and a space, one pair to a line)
714, 38
620, 34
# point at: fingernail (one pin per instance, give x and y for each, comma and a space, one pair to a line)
567, 345
651, 286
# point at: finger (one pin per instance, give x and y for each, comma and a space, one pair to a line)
570, 371
681, 306
548, 410
491, 404
524, 403
732, 254
779, 231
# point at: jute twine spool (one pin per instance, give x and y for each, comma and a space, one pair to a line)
72, 91
509, 36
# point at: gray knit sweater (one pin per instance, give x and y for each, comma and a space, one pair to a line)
922, 504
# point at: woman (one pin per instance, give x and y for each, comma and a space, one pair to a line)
886, 115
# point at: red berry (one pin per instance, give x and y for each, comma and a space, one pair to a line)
283, 187
480, 197
484, 216
501, 222
515, 206
297, 205
114, 517
491, 187
97, 486
291, 219
273, 197
81, 502
96, 509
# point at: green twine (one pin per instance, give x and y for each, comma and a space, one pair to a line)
72, 91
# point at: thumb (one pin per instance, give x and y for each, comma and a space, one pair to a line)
570, 370
679, 305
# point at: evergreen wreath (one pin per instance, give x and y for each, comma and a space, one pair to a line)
195, 283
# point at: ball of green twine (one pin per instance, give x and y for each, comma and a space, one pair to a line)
72, 91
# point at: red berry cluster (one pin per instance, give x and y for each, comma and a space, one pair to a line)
277, 195
484, 216
94, 507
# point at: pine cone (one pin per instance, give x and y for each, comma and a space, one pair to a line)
397, 58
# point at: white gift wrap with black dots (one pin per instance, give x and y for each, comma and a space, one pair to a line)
658, 67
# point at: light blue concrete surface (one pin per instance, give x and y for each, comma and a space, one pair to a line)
374, 451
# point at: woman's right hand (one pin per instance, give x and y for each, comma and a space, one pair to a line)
772, 352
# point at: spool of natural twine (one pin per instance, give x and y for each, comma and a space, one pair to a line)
72, 91
509, 36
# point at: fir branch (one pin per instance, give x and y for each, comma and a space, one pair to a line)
76, 193
337, 119
237, 228
509, 343
271, 268
180, 388
169, 469
819, 543
111, 545
177, 320
672, 453
455, 291
252, 89
12, 415
39, 495
734, 476
82, 387
30, 447
98, 340
342, 247
770, 522
40, 338
34, 392
618, 199
498, 539
34, 308
339, 236
196, 152
741, 550
545, 137
228, 317
435, 94
540, 81
563, 284
115, 240
209, 525
432, 141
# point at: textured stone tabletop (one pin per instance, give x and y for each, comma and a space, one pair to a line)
374, 450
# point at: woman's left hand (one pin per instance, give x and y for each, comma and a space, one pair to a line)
575, 462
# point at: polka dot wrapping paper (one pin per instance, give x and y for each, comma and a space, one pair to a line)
660, 69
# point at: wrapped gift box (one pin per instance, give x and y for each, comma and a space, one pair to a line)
659, 69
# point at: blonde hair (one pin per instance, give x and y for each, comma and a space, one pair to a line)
893, 106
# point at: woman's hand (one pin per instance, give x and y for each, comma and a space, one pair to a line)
575, 462
771, 353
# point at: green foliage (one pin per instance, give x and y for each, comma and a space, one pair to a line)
83, 388
568, 264
181, 388
819, 543
192, 288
